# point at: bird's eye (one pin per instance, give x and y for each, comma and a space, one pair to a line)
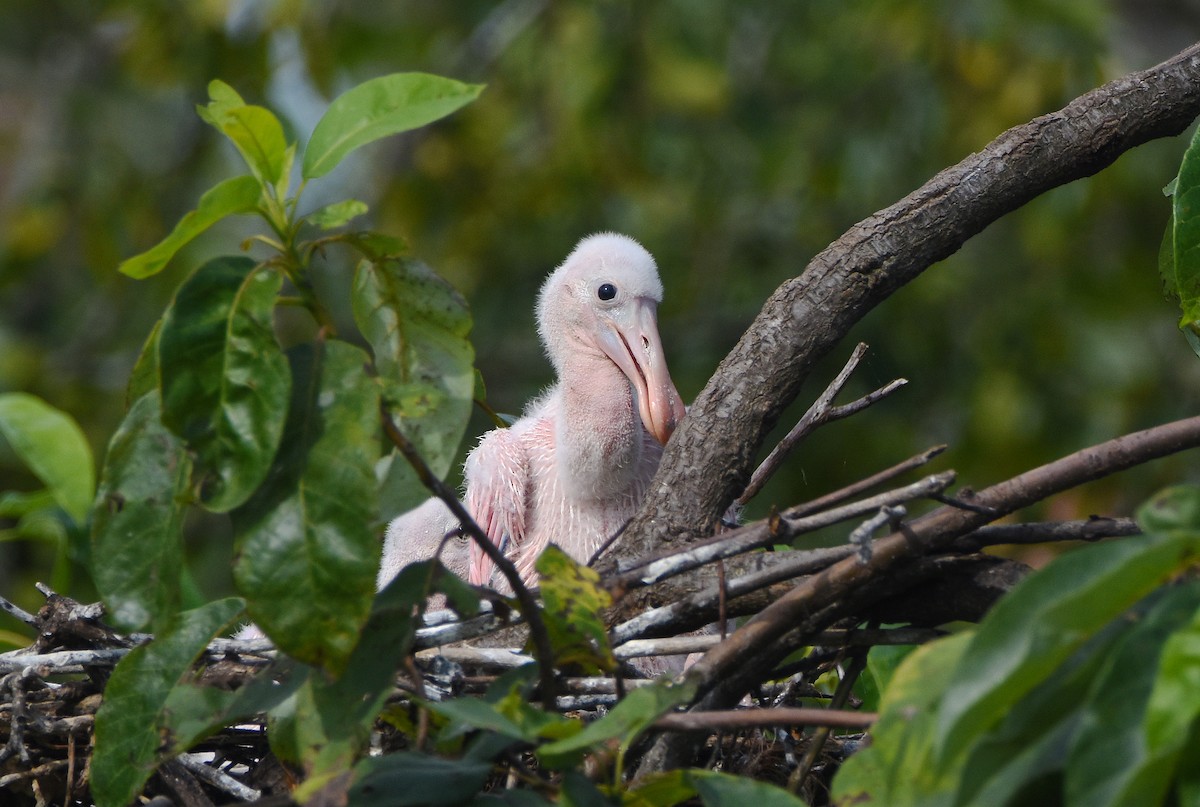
607, 291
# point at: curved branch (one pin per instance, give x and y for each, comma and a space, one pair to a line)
709, 458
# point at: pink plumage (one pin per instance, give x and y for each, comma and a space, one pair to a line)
574, 468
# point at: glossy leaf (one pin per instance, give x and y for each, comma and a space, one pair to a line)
408, 778
723, 790
1175, 508
1181, 271
52, 445
380, 107
1028, 749
253, 130
660, 789
137, 525
574, 607
333, 718
225, 381
1044, 619
130, 724
144, 376
1116, 722
227, 198
337, 214
897, 767
193, 711
305, 554
417, 325
625, 722
1172, 722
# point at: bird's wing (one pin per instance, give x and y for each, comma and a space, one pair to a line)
497, 478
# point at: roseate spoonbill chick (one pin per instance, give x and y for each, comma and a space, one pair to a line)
574, 468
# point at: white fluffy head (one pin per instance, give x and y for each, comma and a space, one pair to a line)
572, 295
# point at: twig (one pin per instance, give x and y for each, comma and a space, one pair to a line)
860, 536
760, 534
834, 637
1092, 529
19, 612
857, 664
60, 660
537, 628
33, 773
863, 485
218, 778
710, 721
821, 412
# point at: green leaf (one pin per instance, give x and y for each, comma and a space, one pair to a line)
1172, 722
336, 214
253, 130
52, 445
137, 525
333, 718
144, 376
723, 790
409, 778
193, 712
625, 722
380, 107
130, 724
1182, 275
417, 325
660, 789
306, 557
897, 767
1044, 619
574, 606
1118, 725
1027, 751
579, 791
227, 198
882, 662
1175, 508
225, 381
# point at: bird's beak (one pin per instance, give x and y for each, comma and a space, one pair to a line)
630, 338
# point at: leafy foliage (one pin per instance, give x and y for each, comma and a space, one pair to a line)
1066, 675
51, 444
1179, 259
287, 444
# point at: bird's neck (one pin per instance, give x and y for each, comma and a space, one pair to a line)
598, 432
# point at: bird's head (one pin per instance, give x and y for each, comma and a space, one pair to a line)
603, 299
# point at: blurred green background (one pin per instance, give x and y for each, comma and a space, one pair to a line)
734, 139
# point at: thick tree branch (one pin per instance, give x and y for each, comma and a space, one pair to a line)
708, 460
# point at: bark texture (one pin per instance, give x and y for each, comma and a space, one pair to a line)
709, 459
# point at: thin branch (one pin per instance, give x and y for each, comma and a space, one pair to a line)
857, 665
537, 628
217, 778
834, 637
821, 412
710, 721
863, 485
62, 660
19, 612
1092, 529
767, 533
